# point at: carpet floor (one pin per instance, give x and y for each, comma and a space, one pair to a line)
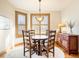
17, 52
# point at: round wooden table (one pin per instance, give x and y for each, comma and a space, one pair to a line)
39, 38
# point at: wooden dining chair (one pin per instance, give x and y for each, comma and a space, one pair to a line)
32, 33
45, 41
27, 41
51, 43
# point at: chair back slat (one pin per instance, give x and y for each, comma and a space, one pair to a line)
26, 38
51, 39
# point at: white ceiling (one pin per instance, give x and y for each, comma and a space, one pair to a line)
46, 5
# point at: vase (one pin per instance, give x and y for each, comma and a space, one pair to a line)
71, 30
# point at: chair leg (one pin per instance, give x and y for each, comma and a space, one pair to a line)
53, 52
47, 54
30, 53
36, 49
24, 51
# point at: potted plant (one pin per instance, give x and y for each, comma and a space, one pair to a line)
71, 25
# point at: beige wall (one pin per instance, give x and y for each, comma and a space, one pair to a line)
55, 19
7, 36
72, 13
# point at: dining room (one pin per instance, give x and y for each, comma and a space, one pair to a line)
39, 29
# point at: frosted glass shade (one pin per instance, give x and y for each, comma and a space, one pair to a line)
39, 18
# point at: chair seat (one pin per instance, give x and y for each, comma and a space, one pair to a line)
46, 47
32, 46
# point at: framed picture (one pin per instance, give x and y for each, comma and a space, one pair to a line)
4, 23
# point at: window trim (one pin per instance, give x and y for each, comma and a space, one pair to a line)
42, 14
16, 22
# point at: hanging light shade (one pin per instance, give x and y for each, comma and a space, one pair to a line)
39, 18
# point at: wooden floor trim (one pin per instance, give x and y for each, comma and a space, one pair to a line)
18, 44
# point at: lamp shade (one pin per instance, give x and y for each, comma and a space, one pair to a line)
61, 25
39, 18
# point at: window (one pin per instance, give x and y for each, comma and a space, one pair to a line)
21, 23
45, 23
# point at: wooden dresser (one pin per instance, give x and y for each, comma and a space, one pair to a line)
69, 42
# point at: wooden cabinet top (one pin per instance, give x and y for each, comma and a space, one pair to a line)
68, 34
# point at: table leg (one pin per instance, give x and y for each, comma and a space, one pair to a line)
39, 48
35, 48
43, 42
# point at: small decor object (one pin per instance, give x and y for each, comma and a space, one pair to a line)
71, 25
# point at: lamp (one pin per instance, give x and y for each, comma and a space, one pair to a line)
60, 26
39, 18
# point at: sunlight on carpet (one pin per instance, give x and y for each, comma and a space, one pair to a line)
17, 52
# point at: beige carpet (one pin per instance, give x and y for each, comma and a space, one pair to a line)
17, 52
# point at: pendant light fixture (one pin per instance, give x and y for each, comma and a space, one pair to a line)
39, 18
